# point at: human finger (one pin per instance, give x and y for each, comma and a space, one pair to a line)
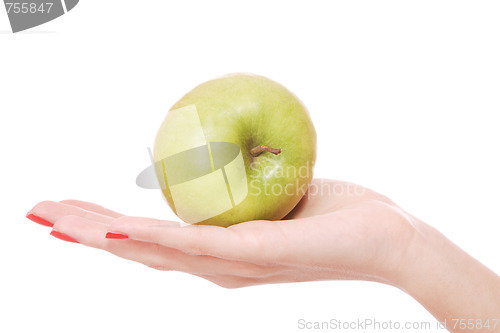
90, 233
92, 207
48, 212
255, 241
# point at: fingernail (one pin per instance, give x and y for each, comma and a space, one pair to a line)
114, 235
63, 237
39, 220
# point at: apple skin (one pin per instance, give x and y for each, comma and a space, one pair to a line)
251, 110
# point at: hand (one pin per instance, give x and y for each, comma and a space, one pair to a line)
338, 231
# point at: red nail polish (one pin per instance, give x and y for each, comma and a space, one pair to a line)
39, 220
63, 237
114, 235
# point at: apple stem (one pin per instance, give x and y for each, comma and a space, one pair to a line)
262, 148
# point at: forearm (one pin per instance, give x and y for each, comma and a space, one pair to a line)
451, 284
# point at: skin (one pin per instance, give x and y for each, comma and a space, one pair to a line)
250, 110
338, 231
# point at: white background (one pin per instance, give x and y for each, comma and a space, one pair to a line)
404, 96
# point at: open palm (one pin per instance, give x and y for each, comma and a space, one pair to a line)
338, 231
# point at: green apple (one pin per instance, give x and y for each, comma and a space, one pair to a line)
237, 148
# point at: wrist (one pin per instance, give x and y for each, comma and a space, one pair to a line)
421, 261
448, 282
